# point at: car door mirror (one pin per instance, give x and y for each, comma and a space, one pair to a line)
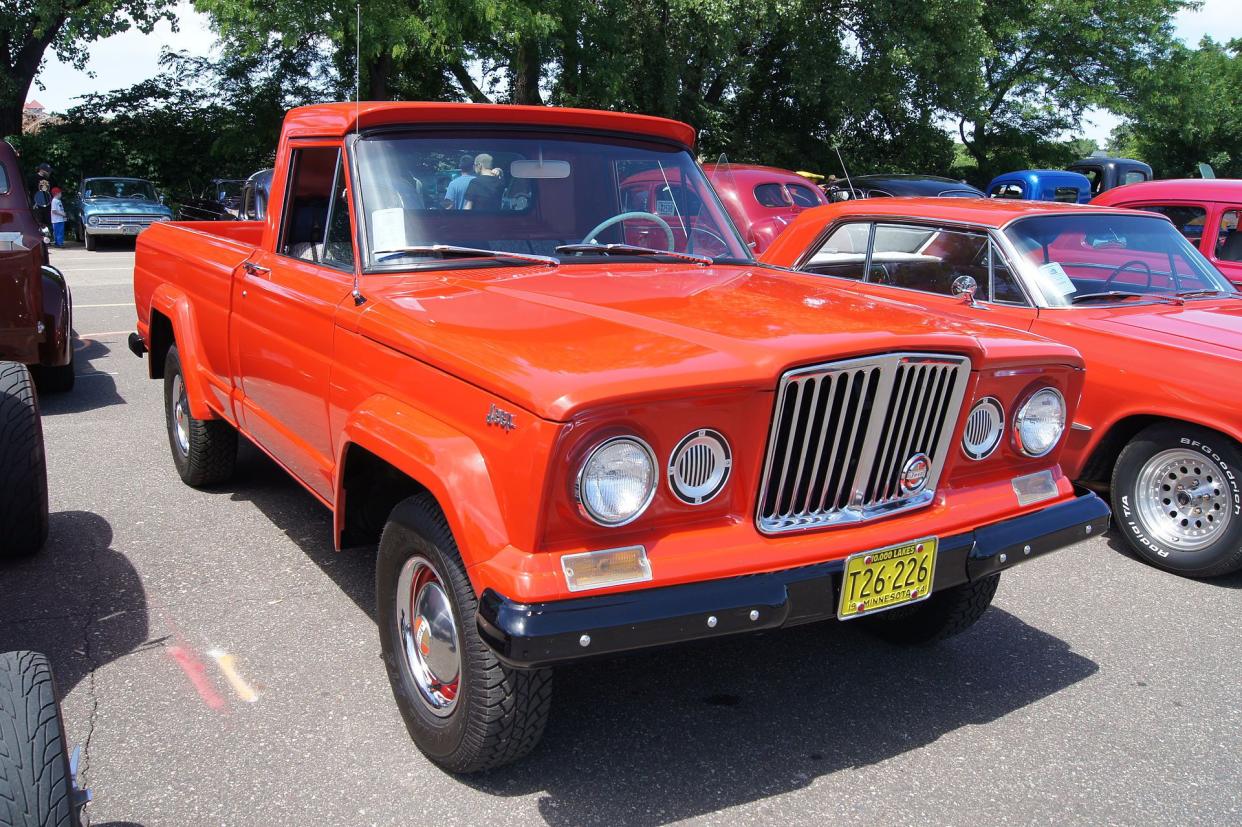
965, 287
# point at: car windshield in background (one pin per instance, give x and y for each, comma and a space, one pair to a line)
118, 188
1081, 259
530, 195
4, 182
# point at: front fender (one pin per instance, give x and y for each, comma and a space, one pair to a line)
175, 305
56, 349
439, 457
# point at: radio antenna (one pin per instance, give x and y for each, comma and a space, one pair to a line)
359, 299
848, 182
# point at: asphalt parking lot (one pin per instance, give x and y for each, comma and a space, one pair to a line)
220, 665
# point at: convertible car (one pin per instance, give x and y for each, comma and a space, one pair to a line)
1159, 327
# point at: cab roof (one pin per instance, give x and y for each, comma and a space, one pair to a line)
986, 212
1200, 189
339, 119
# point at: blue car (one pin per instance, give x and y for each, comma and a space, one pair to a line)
117, 207
1042, 185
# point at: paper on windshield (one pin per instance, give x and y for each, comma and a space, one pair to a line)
1052, 276
388, 229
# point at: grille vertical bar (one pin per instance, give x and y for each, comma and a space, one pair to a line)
843, 432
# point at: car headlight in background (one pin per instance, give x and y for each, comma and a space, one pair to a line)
617, 481
93, 220
1040, 422
164, 218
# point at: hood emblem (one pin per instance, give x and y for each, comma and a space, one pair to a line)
914, 474
503, 418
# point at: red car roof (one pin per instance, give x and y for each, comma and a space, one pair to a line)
1195, 189
989, 212
337, 119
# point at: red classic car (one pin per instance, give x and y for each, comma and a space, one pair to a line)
1160, 328
1205, 210
762, 200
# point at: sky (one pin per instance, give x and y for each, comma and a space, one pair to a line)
125, 59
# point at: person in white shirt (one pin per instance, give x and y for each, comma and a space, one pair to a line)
58, 218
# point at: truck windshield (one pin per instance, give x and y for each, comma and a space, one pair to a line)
1080, 259
118, 188
531, 194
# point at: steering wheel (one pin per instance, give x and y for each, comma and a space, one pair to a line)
714, 239
1113, 275
626, 216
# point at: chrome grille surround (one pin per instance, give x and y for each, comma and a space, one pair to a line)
127, 220
841, 433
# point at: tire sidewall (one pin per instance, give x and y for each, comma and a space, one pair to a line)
1216, 447
172, 369
439, 738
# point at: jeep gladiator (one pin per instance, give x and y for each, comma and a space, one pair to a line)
576, 416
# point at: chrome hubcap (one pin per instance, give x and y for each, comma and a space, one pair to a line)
428, 636
1183, 499
181, 415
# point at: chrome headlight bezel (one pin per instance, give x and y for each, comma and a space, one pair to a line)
584, 501
1024, 410
93, 220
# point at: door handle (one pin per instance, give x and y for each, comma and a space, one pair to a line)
257, 270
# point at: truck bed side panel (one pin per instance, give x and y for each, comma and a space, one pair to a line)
183, 263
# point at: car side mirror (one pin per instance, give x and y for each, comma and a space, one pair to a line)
966, 287
162, 199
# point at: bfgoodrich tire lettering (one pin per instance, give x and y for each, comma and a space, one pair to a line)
1222, 457
23, 467
204, 450
499, 713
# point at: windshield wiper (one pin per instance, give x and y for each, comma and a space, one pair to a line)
1123, 294
1194, 294
453, 251
632, 250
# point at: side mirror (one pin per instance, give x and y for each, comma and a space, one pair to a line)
162, 199
966, 287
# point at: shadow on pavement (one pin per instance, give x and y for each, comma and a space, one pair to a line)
679, 733
1119, 545
93, 387
78, 601
671, 735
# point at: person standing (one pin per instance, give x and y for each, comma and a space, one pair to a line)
57, 213
485, 190
455, 193
42, 203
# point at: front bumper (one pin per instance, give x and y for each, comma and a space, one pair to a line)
130, 230
543, 634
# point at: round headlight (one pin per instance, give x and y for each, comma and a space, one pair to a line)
617, 481
93, 220
1040, 422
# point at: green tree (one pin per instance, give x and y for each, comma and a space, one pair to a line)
1045, 63
28, 28
1187, 110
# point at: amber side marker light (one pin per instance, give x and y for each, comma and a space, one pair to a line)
611, 567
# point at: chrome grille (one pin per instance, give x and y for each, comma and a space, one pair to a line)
842, 433
123, 220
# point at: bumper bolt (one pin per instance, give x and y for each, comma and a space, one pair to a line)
711, 622
1026, 550
584, 641
1088, 528
1004, 558
754, 614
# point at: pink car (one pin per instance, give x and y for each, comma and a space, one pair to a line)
763, 200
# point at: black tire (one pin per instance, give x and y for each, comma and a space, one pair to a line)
210, 452
500, 713
90, 241
54, 379
1224, 554
36, 787
23, 466
945, 614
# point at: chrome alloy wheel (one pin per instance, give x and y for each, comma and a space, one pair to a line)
1183, 499
181, 415
428, 636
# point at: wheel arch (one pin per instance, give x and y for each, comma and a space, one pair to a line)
172, 322
1098, 469
391, 451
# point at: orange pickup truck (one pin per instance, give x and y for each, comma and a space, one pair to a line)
569, 444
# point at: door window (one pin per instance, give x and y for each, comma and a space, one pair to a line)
305, 220
843, 253
338, 247
1229, 242
1011, 190
929, 259
1188, 220
803, 196
1095, 175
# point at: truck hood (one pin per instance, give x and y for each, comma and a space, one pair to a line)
1211, 325
557, 340
123, 206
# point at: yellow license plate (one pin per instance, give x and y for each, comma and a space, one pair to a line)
882, 579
